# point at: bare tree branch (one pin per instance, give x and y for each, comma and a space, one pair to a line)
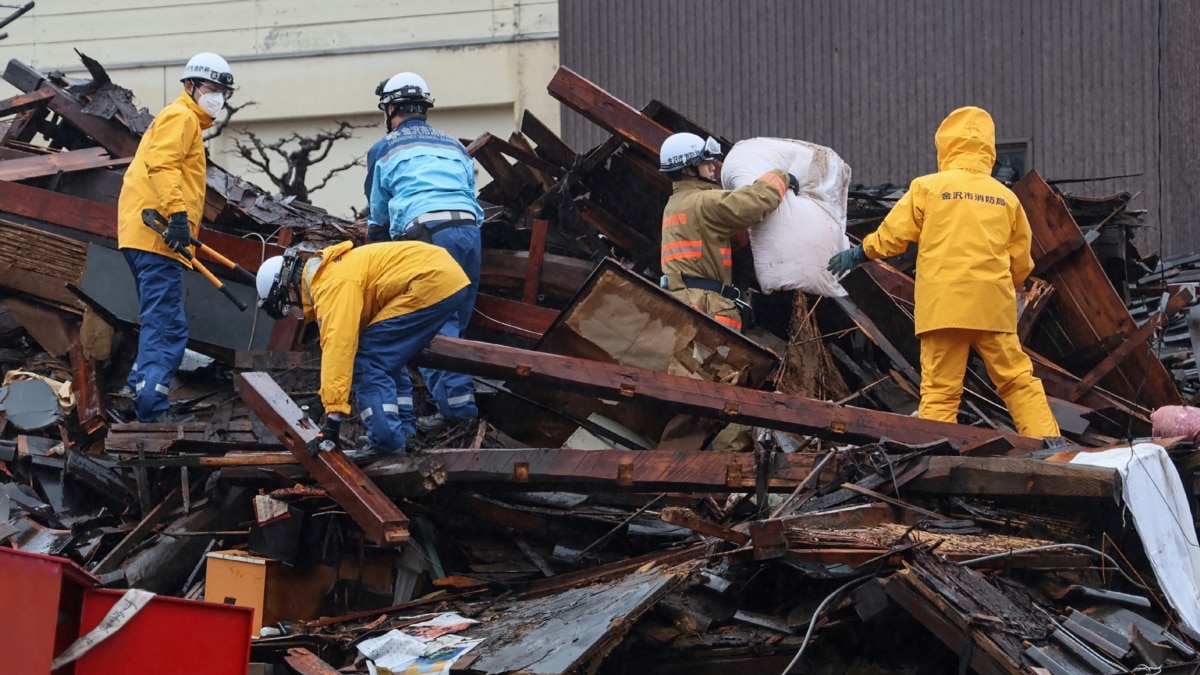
229, 110
299, 153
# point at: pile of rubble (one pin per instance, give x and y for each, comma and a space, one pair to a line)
562, 533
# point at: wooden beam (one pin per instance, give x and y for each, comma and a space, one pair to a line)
702, 398
609, 112
100, 220
562, 277
89, 406
59, 162
1116, 356
513, 317
379, 518
549, 146
537, 255
25, 102
1087, 307
1013, 477
115, 138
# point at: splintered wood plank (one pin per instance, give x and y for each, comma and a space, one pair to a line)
25, 102
549, 146
90, 405
703, 398
607, 111
639, 470
59, 162
305, 662
1087, 307
379, 518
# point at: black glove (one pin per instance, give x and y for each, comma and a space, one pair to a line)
794, 185
378, 234
328, 439
844, 261
179, 235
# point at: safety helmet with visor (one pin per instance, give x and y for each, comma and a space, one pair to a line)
686, 149
276, 278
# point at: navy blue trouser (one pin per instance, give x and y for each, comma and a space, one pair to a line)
381, 368
163, 336
453, 392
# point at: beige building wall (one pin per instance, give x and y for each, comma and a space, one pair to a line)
310, 63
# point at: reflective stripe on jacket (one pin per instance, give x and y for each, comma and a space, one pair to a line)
972, 234
353, 288
167, 174
700, 220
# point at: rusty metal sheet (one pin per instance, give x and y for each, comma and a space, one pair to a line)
363, 500
560, 633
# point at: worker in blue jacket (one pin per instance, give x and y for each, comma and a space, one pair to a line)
422, 188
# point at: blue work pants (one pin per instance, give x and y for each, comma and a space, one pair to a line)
381, 365
163, 335
454, 393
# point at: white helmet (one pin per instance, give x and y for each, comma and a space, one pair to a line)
275, 276
684, 149
210, 67
406, 89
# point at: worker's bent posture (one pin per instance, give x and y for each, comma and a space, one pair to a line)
973, 254
167, 175
377, 307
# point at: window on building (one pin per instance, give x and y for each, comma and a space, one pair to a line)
1013, 160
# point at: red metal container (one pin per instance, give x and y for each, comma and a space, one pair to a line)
40, 601
169, 635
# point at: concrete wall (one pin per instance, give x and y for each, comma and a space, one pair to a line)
309, 63
1085, 81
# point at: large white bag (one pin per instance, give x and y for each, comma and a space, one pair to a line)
793, 244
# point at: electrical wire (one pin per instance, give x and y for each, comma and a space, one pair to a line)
262, 257
812, 623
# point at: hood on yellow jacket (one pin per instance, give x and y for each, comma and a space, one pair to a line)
966, 139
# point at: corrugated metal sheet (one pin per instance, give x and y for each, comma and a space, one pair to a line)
873, 78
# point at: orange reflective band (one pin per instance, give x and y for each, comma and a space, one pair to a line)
732, 323
684, 255
672, 221
685, 244
775, 180
727, 257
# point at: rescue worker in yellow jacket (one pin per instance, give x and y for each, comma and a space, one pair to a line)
377, 307
700, 221
167, 175
973, 254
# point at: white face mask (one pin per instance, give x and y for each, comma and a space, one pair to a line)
211, 103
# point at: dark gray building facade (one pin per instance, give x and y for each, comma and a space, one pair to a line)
1078, 88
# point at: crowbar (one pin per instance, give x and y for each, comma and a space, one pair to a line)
214, 253
151, 217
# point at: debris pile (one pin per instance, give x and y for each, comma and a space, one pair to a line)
575, 528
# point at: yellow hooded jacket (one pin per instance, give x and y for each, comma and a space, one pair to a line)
346, 289
973, 236
168, 174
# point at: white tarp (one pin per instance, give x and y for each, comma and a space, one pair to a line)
1154, 494
793, 244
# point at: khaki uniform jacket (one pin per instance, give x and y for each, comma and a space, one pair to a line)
167, 174
346, 289
972, 234
699, 223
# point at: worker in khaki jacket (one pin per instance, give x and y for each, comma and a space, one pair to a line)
700, 221
167, 175
377, 307
973, 253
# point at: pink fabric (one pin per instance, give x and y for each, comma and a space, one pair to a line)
1177, 420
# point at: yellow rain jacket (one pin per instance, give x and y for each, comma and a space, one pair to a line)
167, 174
699, 223
346, 289
973, 236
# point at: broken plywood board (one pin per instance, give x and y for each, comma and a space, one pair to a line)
566, 632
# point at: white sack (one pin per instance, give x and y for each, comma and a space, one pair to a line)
793, 244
